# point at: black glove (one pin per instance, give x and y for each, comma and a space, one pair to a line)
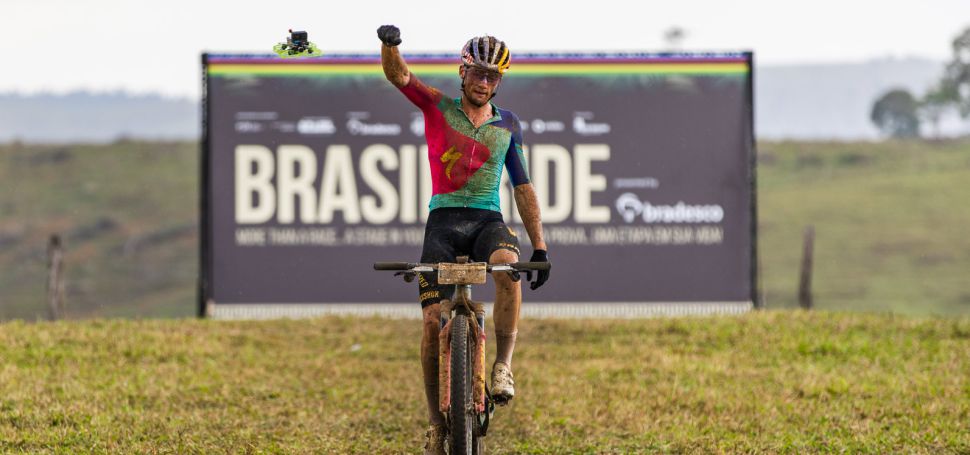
389, 35
542, 275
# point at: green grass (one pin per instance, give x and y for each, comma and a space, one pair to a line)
788, 382
128, 215
890, 221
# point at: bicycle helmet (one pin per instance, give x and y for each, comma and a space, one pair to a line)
486, 52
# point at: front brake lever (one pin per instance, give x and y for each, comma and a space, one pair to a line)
408, 276
514, 274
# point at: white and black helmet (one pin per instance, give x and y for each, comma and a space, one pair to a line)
486, 52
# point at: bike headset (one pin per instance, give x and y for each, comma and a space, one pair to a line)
488, 53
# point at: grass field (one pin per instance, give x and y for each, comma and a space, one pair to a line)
127, 213
778, 381
890, 221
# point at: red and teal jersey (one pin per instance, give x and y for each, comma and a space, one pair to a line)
467, 162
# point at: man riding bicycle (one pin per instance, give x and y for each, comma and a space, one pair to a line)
470, 140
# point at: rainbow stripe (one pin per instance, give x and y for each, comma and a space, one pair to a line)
544, 65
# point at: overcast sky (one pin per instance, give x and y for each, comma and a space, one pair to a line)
143, 47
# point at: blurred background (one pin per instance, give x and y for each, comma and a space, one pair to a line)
861, 117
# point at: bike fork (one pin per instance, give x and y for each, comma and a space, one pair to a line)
462, 297
478, 364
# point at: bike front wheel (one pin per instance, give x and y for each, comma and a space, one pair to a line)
461, 412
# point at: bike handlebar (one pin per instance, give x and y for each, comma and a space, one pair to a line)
393, 265
405, 266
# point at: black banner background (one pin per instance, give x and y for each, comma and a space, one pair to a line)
671, 139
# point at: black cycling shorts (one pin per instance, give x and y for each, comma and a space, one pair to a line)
453, 232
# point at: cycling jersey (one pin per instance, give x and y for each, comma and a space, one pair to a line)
467, 162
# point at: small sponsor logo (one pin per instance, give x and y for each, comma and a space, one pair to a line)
583, 125
357, 126
248, 126
417, 124
539, 126
636, 182
285, 127
265, 116
316, 125
630, 207
451, 157
508, 246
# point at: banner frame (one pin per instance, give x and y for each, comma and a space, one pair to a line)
205, 245
206, 307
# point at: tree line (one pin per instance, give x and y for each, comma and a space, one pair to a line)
900, 114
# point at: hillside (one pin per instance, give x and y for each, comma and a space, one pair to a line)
96, 117
773, 382
889, 221
127, 213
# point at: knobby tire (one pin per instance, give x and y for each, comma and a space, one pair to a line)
460, 413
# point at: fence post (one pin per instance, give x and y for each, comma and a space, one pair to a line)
760, 297
55, 278
805, 283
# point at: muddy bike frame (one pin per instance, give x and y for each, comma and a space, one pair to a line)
464, 398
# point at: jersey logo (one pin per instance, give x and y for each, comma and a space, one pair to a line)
451, 157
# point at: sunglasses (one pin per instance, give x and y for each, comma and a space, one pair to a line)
478, 74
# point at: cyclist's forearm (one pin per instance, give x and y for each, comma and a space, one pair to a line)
528, 205
395, 69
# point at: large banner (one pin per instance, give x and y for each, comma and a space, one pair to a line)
313, 169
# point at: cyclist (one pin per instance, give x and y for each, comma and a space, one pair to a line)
469, 140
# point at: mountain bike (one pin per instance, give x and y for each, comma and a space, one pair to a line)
464, 397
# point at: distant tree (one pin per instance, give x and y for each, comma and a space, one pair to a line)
957, 76
939, 100
895, 113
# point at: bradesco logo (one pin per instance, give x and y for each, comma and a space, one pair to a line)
583, 125
630, 207
358, 126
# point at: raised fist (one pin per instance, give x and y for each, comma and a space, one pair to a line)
389, 35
